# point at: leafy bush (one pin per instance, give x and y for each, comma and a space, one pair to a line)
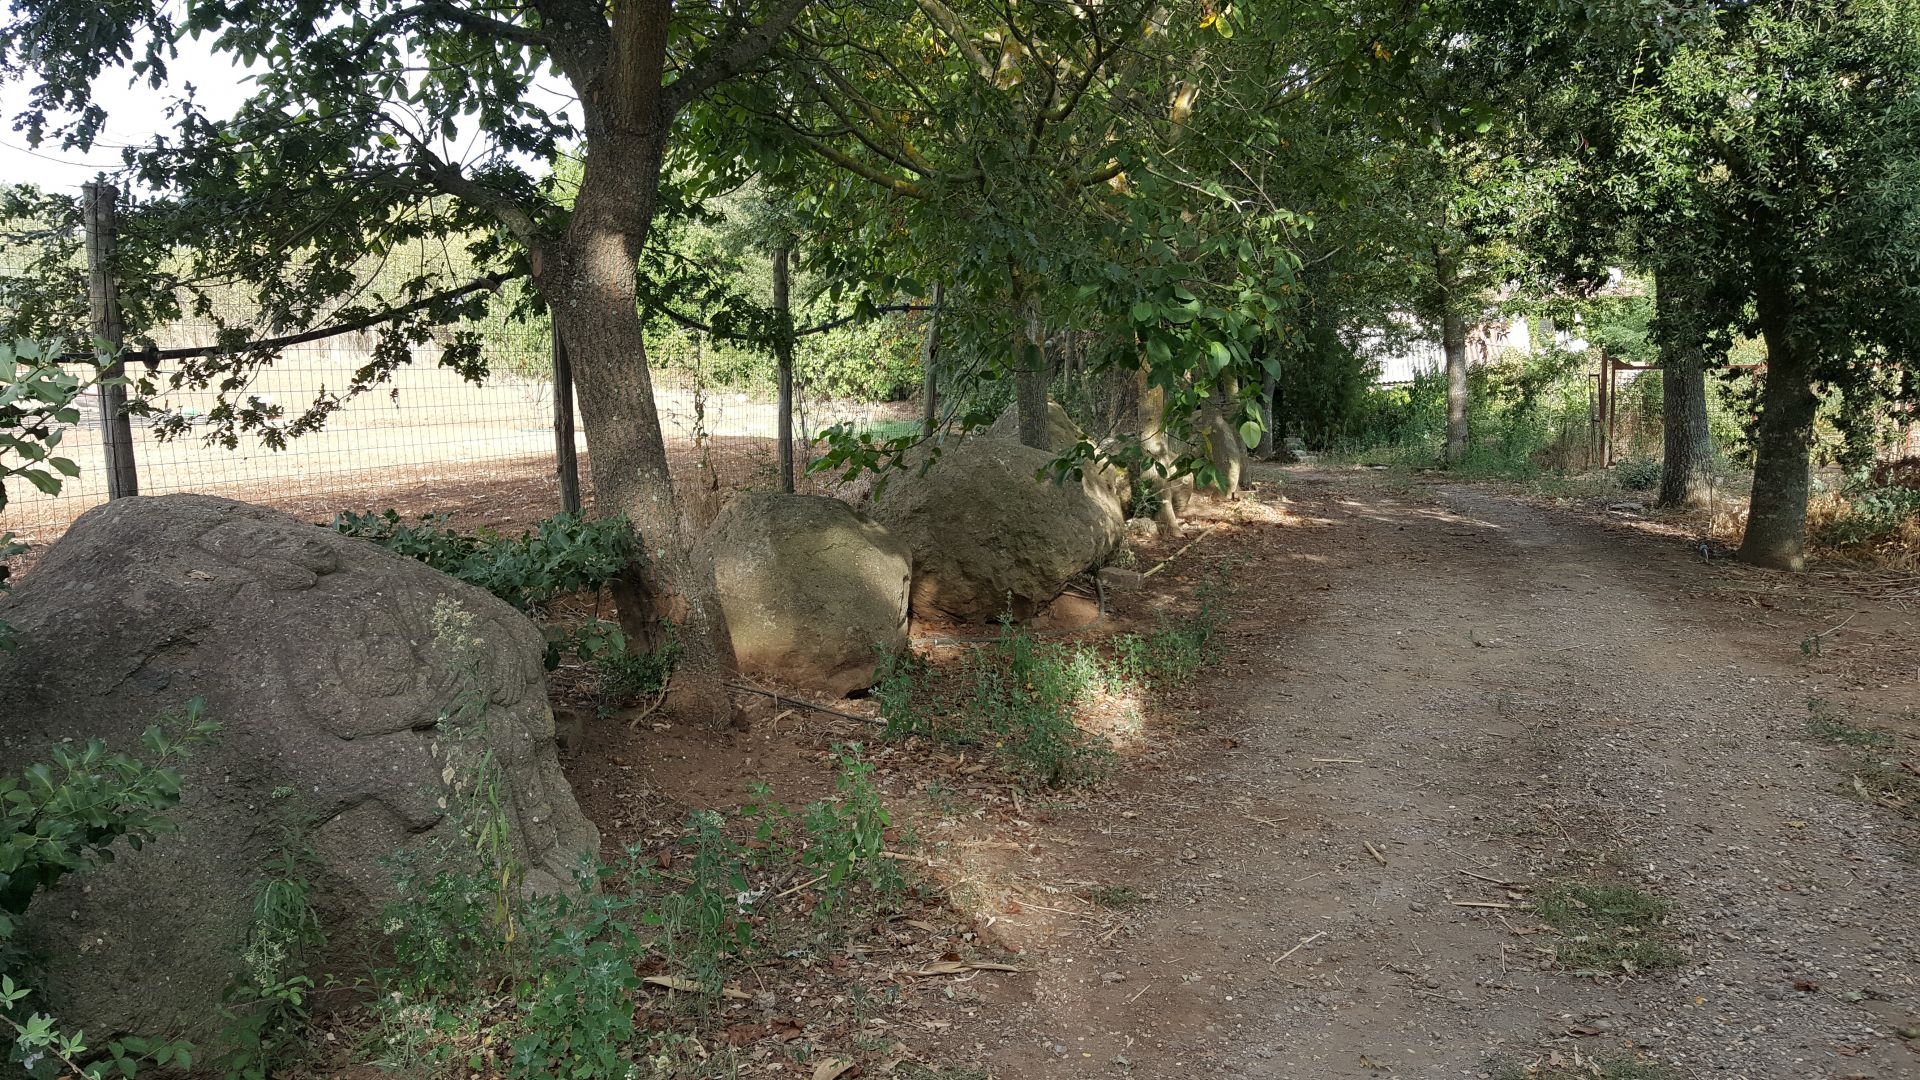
37, 398
1637, 474
1865, 514
63, 818
562, 555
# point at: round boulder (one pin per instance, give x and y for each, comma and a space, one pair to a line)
990, 535
350, 684
812, 589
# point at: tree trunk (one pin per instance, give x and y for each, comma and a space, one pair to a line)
1453, 340
930, 365
1268, 440
1686, 473
783, 360
1031, 381
1777, 512
589, 279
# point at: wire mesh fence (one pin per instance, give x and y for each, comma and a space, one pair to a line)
429, 440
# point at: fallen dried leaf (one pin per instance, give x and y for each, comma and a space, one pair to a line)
831, 1068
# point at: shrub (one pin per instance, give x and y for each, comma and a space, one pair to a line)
1638, 474
563, 554
1864, 514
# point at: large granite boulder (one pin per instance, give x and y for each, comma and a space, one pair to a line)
350, 682
1062, 433
991, 536
812, 590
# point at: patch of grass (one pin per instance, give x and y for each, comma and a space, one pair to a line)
1607, 929
1116, 897
1609, 1069
1825, 723
1886, 784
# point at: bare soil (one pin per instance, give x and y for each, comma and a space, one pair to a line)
1432, 696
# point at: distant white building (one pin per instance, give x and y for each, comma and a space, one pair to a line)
1403, 355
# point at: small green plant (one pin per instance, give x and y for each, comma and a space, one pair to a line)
264, 1012
64, 817
1024, 694
623, 677
1607, 929
900, 689
847, 835
1825, 723
1170, 654
1116, 897
579, 982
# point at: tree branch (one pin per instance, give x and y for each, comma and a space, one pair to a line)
471, 21
729, 58
490, 282
956, 32
895, 184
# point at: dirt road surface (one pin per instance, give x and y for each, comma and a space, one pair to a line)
1485, 690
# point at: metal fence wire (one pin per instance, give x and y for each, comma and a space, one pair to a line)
427, 441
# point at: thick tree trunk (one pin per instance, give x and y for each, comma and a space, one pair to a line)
1225, 449
1453, 341
1686, 473
1031, 381
1777, 512
589, 279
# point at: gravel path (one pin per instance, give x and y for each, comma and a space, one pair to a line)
1482, 689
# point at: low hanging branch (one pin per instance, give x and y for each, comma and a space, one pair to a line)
490, 282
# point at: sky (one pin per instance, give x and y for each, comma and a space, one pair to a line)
134, 115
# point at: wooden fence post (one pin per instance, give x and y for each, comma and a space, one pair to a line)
783, 356
103, 295
566, 459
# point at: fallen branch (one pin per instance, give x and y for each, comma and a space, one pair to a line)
1163, 563
1375, 852
1304, 942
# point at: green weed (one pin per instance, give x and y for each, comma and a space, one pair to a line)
1825, 723
1607, 929
1116, 897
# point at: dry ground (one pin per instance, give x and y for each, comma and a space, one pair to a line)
1482, 689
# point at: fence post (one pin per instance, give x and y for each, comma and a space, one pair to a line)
566, 458
98, 201
783, 356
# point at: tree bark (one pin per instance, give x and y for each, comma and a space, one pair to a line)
1777, 513
1686, 472
1453, 343
783, 362
930, 365
588, 277
1031, 381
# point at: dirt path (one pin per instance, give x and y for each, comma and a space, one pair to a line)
1479, 689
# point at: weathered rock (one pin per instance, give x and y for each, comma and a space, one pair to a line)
325, 662
1062, 435
989, 535
811, 589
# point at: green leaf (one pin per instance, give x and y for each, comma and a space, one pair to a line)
1250, 434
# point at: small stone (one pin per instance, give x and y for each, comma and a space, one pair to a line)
1113, 977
